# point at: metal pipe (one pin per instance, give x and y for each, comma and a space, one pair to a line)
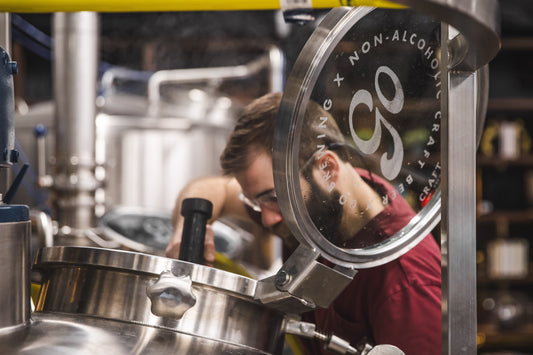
110, 75
43, 227
273, 60
75, 75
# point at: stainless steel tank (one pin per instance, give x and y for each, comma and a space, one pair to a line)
15, 262
148, 159
108, 301
143, 160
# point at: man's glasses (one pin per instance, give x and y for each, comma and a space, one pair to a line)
267, 199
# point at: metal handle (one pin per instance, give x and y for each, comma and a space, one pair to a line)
171, 296
196, 212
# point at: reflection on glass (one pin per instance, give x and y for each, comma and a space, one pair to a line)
370, 142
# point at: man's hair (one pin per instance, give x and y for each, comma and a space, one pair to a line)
254, 131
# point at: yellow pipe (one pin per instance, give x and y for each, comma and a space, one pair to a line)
45, 6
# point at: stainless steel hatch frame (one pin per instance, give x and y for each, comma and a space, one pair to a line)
469, 40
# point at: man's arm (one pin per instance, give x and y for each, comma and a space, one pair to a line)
223, 192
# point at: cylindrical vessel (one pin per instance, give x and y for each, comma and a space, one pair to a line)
15, 265
105, 299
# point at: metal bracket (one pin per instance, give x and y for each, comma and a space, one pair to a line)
294, 288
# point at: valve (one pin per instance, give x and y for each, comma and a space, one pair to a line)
335, 344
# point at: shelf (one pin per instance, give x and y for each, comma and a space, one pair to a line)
490, 336
507, 216
517, 43
510, 104
508, 282
524, 160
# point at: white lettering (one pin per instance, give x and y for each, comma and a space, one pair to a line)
396, 36
353, 58
342, 199
326, 176
378, 39
321, 151
429, 53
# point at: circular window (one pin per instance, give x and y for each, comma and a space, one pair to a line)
357, 143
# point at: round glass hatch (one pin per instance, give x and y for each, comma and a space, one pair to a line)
357, 143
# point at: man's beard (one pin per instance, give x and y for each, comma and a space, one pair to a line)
326, 212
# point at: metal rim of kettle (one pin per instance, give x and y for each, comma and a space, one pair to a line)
145, 263
285, 155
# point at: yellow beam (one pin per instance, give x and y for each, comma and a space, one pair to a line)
46, 6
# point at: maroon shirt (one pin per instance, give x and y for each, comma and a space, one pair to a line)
398, 303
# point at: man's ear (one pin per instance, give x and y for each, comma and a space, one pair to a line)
328, 165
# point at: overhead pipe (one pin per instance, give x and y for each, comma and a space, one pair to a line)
75, 75
167, 5
273, 60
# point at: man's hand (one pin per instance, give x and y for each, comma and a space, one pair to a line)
173, 248
223, 192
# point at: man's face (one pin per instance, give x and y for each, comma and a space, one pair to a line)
325, 211
322, 206
257, 180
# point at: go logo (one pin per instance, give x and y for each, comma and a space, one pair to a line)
390, 168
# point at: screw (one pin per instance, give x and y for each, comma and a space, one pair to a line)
282, 278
